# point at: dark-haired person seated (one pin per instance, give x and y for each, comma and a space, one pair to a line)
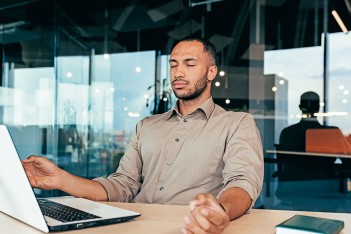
296, 167
197, 153
293, 138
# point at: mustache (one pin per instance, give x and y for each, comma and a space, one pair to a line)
187, 82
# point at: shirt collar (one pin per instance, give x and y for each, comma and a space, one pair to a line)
207, 108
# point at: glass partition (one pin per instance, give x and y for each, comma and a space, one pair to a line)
77, 77
340, 83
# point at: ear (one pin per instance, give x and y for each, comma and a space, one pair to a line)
212, 72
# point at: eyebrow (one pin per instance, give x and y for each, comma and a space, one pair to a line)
186, 60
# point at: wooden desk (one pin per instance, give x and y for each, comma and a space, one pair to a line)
168, 219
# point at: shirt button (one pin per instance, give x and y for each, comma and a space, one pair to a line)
169, 163
185, 120
177, 139
161, 188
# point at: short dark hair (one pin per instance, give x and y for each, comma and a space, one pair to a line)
208, 46
309, 102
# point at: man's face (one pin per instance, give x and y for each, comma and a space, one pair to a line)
189, 67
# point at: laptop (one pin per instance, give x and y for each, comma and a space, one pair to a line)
18, 200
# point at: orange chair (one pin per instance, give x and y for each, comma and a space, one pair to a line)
329, 140
334, 142
348, 138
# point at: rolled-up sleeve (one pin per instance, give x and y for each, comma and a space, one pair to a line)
243, 158
125, 183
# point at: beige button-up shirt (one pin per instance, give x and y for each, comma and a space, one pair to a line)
171, 157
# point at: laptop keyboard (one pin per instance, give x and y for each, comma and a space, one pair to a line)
63, 213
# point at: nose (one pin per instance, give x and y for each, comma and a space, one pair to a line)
179, 72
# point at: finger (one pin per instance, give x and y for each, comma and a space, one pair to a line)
205, 200
200, 199
192, 225
31, 158
27, 169
212, 212
186, 231
192, 205
32, 181
201, 216
214, 204
217, 218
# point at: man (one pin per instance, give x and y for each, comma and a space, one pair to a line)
293, 138
196, 149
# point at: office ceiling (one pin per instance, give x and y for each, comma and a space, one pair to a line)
138, 25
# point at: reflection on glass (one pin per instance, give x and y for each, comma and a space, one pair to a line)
302, 70
339, 80
95, 113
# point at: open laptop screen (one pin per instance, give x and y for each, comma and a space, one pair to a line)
16, 195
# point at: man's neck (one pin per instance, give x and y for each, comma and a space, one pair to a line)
189, 106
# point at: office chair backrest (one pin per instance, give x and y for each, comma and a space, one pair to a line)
327, 141
348, 138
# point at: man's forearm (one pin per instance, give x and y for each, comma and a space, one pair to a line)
235, 201
81, 187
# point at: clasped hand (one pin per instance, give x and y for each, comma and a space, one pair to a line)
206, 216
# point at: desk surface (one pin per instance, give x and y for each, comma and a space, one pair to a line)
168, 219
309, 154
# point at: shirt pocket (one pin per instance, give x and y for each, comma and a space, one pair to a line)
197, 164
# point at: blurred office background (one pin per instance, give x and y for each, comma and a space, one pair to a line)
76, 77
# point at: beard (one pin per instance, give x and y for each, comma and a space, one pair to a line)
200, 86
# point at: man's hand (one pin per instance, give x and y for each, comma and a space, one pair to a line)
42, 173
207, 216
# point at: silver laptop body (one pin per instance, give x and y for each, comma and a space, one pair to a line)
17, 198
